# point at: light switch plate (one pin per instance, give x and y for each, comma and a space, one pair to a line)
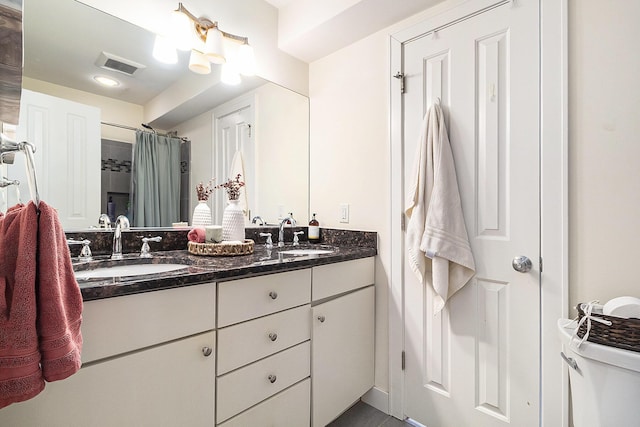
344, 213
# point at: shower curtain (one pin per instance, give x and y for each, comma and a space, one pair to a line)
155, 180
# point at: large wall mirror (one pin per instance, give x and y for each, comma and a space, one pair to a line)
276, 156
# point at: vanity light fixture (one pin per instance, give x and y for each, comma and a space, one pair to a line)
106, 81
208, 45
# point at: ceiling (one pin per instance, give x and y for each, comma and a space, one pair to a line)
64, 50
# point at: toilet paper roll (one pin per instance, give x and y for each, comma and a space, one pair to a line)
626, 307
213, 233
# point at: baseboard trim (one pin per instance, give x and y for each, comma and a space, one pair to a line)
377, 398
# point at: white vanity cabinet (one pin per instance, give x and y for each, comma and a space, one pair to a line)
148, 359
342, 340
264, 328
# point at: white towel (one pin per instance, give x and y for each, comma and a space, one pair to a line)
237, 167
437, 240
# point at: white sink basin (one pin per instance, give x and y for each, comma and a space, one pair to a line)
306, 252
128, 270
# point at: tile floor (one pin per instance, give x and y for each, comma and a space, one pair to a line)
363, 415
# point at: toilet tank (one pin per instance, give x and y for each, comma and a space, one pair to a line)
604, 382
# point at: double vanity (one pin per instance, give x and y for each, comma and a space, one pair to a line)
275, 338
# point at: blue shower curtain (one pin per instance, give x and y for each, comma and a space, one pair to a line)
155, 180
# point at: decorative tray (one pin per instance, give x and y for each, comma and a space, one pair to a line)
221, 249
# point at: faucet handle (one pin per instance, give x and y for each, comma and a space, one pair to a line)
296, 241
85, 253
104, 221
145, 251
269, 243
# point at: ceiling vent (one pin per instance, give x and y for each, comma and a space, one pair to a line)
112, 62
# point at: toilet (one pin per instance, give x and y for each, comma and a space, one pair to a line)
604, 381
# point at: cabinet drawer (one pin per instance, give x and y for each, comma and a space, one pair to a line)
288, 408
243, 388
117, 325
246, 299
334, 279
246, 342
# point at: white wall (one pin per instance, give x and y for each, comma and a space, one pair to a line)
604, 149
112, 110
349, 92
281, 132
282, 153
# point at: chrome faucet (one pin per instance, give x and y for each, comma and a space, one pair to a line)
122, 223
256, 219
282, 224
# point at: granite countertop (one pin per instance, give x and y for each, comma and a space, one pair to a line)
201, 269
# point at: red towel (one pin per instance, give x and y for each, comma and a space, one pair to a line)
59, 300
196, 235
40, 304
20, 375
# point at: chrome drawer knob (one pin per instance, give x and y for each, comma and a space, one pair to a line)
272, 379
321, 319
207, 351
273, 336
273, 295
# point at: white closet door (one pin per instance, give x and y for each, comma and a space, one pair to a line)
233, 132
476, 363
67, 139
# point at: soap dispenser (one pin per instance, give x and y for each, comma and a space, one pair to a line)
314, 230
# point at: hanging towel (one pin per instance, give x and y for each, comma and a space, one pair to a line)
237, 167
437, 240
40, 303
59, 300
20, 374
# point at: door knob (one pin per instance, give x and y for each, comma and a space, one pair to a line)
521, 264
206, 351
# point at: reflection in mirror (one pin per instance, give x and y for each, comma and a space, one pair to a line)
60, 60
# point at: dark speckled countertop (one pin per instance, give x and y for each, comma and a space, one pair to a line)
202, 269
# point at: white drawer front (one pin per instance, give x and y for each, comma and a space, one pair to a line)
241, 389
334, 279
246, 342
117, 325
286, 409
246, 299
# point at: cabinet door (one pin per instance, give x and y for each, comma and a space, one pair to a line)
342, 353
167, 385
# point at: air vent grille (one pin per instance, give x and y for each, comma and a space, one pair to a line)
113, 62
120, 66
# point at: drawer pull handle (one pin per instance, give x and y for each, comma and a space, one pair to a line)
321, 319
272, 379
273, 336
273, 294
207, 351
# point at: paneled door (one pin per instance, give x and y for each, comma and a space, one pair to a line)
233, 132
66, 135
476, 363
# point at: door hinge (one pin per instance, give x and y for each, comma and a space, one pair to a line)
540, 264
403, 361
400, 76
403, 222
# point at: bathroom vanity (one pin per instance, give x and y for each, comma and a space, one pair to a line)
266, 340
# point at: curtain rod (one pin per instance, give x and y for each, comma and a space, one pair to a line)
142, 130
